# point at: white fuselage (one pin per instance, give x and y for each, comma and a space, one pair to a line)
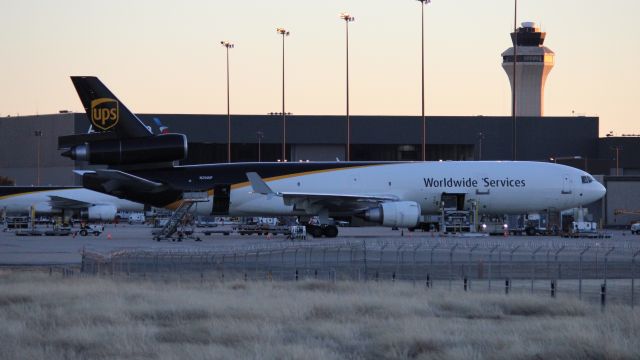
41, 201
497, 187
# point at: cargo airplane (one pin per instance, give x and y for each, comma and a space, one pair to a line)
63, 201
393, 194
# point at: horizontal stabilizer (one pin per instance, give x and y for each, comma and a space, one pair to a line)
115, 181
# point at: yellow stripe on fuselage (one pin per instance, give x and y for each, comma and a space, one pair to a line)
304, 173
33, 192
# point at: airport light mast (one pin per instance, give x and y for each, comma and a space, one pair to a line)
513, 92
259, 135
424, 119
284, 34
347, 19
38, 135
228, 46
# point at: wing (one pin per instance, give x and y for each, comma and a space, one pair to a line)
59, 202
336, 203
333, 202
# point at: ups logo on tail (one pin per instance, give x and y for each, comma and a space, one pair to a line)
104, 113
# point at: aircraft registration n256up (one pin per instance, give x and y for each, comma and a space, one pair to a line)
392, 194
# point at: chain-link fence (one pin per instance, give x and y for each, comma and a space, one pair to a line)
596, 272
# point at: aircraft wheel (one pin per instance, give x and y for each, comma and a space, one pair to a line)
315, 231
330, 231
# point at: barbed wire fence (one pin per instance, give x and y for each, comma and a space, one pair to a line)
593, 271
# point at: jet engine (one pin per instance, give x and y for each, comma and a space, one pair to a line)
395, 213
101, 212
160, 148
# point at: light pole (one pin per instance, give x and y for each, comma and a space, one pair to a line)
228, 45
260, 135
347, 19
424, 119
38, 134
284, 34
513, 95
480, 138
617, 148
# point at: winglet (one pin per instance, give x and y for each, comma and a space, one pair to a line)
258, 185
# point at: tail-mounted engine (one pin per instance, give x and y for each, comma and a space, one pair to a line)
159, 148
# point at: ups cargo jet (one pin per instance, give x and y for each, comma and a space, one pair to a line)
392, 194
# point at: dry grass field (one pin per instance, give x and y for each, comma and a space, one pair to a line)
50, 317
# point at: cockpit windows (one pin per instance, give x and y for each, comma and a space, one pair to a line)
586, 179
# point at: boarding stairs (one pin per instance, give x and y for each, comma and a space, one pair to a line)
176, 223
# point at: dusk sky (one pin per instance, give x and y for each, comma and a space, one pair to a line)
162, 56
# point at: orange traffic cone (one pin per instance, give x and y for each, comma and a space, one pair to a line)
108, 236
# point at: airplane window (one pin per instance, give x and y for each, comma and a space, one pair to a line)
587, 179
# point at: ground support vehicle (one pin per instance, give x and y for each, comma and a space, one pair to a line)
585, 229
298, 232
179, 227
220, 229
58, 231
86, 229
427, 223
17, 222
458, 221
262, 229
495, 225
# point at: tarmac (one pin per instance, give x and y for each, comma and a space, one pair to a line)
67, 250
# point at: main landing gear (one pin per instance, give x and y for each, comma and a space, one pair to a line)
317, 231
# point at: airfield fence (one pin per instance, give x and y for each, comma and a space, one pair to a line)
593, 271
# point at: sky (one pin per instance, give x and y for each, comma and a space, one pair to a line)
164, 56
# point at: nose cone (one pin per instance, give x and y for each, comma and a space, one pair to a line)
600, 191
594, 192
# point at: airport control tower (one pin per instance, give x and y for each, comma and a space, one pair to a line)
534, 63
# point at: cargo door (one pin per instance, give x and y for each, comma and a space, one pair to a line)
453, 202
221, 199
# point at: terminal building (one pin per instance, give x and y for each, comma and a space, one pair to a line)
29, 155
